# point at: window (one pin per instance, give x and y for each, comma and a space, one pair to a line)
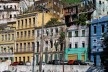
24, 59
25, 33
28, 33
76, 44
46, 42
25, 22
37, 33
15, 59
33, 45
52, 32
28, 58
21, 34
16, 47
51, 42
29, 21
99, 2
24, 46
15, 7
37, 46
47, 32
56, 30
10, 16
12, 36
69, 34
2, 37
18, 23
14, 16
76, 33
34, 21
83, 32
28, 46
20, 46
94, 29
32, 32
22, 22
17, 34
83, 44
102, 29
8, 36
70, 45
19, 58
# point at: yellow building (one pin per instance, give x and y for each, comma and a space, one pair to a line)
7, 40
25, 35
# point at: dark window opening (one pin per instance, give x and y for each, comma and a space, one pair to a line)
76, 45
51, 42
94, 29
83, 44
103, 28
61, 46
70, 45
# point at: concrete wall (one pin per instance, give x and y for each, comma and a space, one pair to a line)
51, 68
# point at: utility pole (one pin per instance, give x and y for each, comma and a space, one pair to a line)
33, 57
41, 49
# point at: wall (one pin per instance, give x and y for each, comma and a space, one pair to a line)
78, 52
51, 68
96, 38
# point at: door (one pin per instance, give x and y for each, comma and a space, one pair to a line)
72, 57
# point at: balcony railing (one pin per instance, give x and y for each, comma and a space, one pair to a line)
6, 20
25, 38
24, 50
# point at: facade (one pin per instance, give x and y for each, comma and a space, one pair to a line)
52, 48
78, 43
7, 41
9, 9
98, 28
101, 9
55, 7
25, 34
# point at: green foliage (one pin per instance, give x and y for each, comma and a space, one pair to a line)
71, 1
53, 21
82, 19
62, 37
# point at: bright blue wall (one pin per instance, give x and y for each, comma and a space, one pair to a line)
98, 43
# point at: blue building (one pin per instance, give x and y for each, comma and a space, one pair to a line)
97, 29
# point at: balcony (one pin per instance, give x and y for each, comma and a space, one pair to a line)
6, 20
6, 54
25, 38
23, 50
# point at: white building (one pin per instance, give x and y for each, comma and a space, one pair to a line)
9, 9
101, 9
78, 38
51, 36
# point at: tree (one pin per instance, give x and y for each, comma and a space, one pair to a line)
53, 21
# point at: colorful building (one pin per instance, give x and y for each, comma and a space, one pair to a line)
78, 37
52, 48
7, 41
97, 29
25, 35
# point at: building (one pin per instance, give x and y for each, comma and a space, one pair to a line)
78, 37
97, 29
7, 41
101, 9
52, 47
55, 7
25, 34
9, 9
77, 48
